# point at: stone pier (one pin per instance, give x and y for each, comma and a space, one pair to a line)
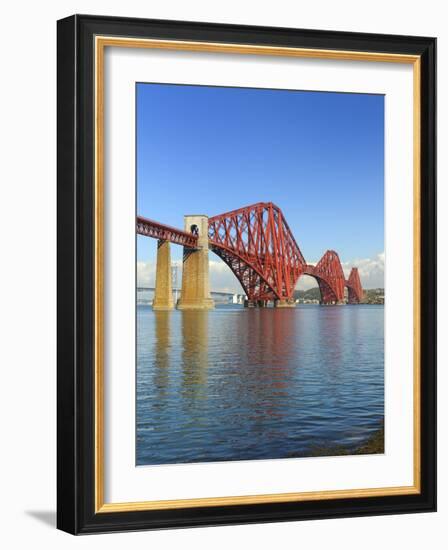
284, 303
163, 294
195, 271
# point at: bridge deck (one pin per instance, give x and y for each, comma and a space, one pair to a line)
259, 247
156, 230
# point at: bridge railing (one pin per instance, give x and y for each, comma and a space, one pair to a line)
156, 230
259, 247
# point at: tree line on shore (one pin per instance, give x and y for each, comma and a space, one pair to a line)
371, 295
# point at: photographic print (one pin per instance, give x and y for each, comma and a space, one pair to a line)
260, 274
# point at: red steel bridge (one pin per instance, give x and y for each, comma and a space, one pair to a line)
259, 247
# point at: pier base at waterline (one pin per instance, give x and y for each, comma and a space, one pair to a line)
163, 294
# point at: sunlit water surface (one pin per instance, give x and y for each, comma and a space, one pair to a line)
240, 384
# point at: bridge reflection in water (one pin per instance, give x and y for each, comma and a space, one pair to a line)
240, 384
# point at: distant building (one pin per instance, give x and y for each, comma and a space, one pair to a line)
237, 299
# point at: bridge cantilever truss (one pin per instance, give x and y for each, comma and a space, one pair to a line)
355, 291
259, 247
330, 277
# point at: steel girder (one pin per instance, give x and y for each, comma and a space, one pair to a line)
355, 291
330, 277
258, 245
156, 230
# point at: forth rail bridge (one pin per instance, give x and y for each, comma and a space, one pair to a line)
260, 249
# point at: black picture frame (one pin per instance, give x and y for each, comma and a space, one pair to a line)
76, 264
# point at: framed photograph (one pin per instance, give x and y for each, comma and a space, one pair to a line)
247, 274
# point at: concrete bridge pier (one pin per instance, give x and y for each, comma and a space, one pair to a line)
284, 303
163, 294
195, 271
255, 303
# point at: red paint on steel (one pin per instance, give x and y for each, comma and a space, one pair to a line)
156, 230
355, 291
259, 247
330, 277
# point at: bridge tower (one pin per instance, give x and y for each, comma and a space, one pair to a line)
163, 294
195, 271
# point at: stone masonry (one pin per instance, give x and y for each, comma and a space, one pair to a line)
163, 295
195, 272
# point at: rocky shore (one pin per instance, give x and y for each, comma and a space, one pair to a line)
374, 444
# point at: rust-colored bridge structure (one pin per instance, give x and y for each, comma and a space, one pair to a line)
259, 248
156, 230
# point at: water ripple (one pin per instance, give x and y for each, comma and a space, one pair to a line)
236, 384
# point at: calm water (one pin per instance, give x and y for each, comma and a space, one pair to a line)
240, 384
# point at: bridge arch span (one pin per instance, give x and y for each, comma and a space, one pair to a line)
253, 282
353, 284
327, 294
259, 247
330, 277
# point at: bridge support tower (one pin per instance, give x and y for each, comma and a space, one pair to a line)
163, 294
284, 303
255, 303
195, 272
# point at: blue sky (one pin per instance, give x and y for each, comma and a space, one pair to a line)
318, 155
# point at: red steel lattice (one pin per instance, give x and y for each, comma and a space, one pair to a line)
330, 277
258, 246
156, 230
355, 291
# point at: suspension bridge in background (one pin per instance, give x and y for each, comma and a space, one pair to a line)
259, 248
